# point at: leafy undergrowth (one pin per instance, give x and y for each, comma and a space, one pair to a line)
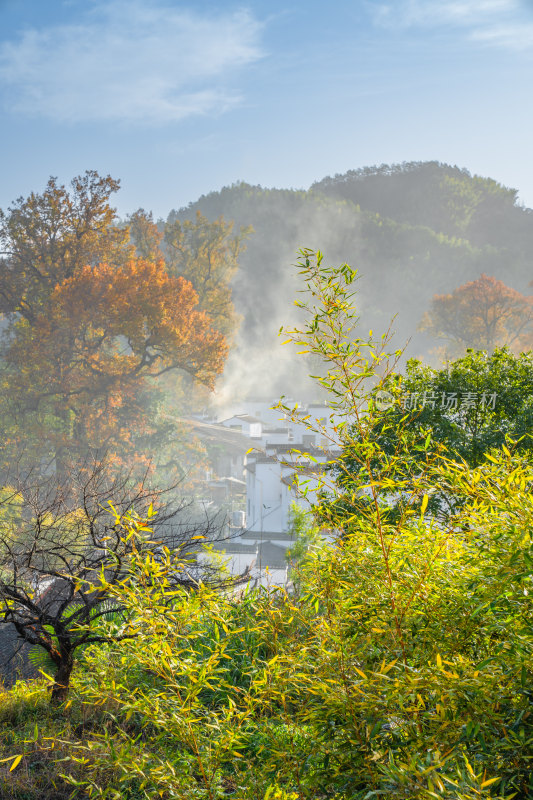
319, 694
37, 741
41, 734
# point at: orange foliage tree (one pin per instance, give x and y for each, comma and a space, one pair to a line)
91, 326
482, 314
204, 252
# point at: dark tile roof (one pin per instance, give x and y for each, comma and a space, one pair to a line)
232, 548
268, 536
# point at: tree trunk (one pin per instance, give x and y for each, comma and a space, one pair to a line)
60, 688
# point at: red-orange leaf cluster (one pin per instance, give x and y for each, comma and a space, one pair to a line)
104, 331
482, 314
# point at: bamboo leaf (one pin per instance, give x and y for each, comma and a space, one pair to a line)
15, 763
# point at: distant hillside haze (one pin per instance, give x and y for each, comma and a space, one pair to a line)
413, 230
446, 199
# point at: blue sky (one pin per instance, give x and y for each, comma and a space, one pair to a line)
179, 98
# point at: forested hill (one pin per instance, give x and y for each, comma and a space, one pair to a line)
446, 199
412, 230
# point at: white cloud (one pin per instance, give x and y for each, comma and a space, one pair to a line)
130, 60
504, 23
515, 37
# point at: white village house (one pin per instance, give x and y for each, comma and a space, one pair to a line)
279, 450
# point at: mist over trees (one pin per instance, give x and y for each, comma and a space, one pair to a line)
111, 327
413, 230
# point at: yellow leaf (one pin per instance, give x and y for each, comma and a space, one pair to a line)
469, 768
424, 503
488, 783
15, 763
439, 661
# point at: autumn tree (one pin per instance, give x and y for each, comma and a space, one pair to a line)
203, 252
45, 239
91, 325
482, 314
206, 254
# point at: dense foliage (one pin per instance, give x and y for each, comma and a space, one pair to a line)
469, 407
409, 677
399, 667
